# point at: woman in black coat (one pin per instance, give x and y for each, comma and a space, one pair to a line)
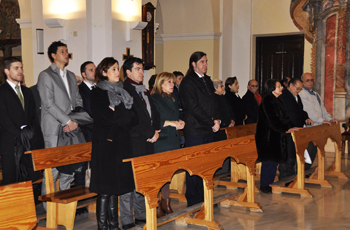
169, 136
110, 177
236, 103
270, 135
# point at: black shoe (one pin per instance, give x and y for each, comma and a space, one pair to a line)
81, 211
128, 226
139, 221
266, 189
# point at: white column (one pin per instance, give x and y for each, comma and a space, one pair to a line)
99, 29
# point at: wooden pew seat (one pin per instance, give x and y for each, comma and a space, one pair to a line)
62, 205
68, 196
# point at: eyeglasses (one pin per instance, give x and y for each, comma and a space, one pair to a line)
312, 80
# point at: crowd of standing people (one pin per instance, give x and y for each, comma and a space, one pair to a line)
113, 109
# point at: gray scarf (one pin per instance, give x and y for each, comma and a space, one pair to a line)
116, 93
141, 89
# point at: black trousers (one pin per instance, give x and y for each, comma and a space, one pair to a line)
312, 149
194, 184
268, 173
288, 169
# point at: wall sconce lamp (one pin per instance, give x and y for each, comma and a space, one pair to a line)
58, 23
135, 25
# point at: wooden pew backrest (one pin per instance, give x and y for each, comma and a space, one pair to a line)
240, 131
151, 172
17, 207
59, 156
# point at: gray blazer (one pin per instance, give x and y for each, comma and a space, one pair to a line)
55, 102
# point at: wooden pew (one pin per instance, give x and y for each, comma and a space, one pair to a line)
153, 171
61, 205
17, 207
238, 171
318, 135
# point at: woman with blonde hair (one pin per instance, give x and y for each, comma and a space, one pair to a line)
169, 136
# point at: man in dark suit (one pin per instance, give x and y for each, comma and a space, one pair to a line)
294, 110
251, 102
87, 70
17, 116
143, 135
201, 114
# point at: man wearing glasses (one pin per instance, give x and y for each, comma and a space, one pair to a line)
294, 109
314, 108
251, 100
312, 102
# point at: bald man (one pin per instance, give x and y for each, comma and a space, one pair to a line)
314, 108
312, 102
251, 100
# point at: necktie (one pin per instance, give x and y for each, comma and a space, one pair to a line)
93, 87
20, 96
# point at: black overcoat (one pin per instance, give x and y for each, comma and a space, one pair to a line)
199, 105
85, 94
169, 137
270, 135
237, 106
293, 109
12, 118
146, 126
251, 107
110, 145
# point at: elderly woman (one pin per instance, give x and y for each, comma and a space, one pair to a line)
111, 108
235, 101
226, 113
169, 136
270, 135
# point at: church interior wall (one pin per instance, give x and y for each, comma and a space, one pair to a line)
119, 31
230, 27
241, 45
177, 54
226, 39
274, 20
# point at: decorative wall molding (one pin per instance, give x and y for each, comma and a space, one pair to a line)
159, 40
24, 23
191, 36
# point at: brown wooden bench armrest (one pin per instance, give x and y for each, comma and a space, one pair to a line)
69, 195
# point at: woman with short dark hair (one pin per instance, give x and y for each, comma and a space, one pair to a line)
111, 107
270, 135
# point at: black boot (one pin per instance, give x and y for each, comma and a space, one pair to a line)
102, 211
113, 213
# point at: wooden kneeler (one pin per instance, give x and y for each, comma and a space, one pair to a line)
318, 135
153, 171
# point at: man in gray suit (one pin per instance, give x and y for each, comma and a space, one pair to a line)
61, 110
